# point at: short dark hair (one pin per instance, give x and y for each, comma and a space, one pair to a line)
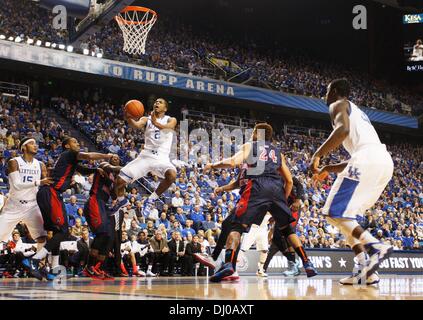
65, 141
268, 130
342, 87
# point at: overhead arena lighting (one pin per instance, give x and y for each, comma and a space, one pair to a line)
69, 49
11, 39
62, 46
2, 37
93, 54
30, 41
86, 52
18, 39
48, 44
38, 43
99, 55
54, 45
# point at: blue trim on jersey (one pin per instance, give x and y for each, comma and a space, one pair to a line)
342, 198
121, 172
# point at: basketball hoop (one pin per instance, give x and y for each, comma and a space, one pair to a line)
135, 23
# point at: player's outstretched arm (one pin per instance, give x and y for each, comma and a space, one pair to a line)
109, 168
336, 168
94, 156
236, 160
286, 175
137, 124
339, 113
15, 177
229, 187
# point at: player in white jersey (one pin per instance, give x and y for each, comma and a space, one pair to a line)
417, 51
26, 174
153, 158
360, 181
258, 234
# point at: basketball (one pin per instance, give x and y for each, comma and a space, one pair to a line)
134, 109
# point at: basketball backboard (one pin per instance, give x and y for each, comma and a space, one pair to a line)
99, 16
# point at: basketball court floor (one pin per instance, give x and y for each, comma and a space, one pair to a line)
391, 287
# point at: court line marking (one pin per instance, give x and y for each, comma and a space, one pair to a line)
102, 293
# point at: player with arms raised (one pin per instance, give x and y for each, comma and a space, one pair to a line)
153, 158
360, 181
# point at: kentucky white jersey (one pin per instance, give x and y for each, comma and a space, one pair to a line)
362, 131
156, 139
29, 172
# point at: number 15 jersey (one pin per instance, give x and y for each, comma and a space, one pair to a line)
29, 173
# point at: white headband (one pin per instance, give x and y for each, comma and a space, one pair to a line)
26, 142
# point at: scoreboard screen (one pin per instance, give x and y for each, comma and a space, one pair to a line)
413, 42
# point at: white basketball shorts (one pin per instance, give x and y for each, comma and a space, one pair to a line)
15, 211
360, 184
256, 235
147, 162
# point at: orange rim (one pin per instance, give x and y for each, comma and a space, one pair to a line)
121, 20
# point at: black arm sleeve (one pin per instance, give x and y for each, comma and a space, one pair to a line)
84, 170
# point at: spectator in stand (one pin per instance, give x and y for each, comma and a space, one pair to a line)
134, 229
197, 217
72, 208
150, 229
177, 201
408, 240
176, 252
210, 228
188, 230
163, 220
77, 229
160, 254
192, 247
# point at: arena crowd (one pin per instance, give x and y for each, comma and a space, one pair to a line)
188, 218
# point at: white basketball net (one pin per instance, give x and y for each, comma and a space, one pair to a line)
135, 25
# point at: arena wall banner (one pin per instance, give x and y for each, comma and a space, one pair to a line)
125, 71
335, 261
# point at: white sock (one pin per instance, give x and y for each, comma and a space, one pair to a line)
263, 257
153, 196
54, 261
41, 254
362, 258
367, 238
149, 267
